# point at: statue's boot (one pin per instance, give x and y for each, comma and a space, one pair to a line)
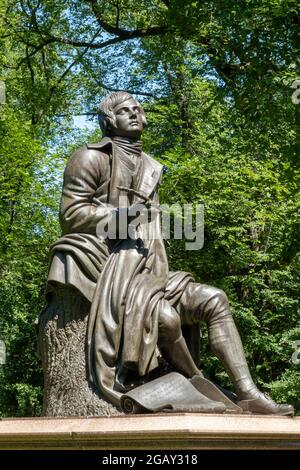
178, 355
261, 403
227, 346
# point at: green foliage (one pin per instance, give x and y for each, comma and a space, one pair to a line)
28, 197
215, 79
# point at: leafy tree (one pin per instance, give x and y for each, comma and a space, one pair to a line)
215, 79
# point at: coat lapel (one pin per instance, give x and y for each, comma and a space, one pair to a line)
150, 175
151, 170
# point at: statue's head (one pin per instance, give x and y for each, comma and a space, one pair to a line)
120, 114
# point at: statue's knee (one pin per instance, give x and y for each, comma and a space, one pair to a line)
169, 325
221, 298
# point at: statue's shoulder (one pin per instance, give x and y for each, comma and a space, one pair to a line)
105, 145
91, 152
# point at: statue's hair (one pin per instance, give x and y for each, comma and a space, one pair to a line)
107, 118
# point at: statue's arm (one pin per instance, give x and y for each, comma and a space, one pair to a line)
79, 211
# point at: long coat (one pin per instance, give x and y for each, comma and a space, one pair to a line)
126, 280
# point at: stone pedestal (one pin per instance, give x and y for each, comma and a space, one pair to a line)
158, 432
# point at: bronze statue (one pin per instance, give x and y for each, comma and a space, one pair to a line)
117, 294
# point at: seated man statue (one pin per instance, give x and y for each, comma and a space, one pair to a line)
134, 307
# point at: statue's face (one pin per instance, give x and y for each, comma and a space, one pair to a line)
129, 119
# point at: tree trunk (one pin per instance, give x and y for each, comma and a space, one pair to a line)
62, 346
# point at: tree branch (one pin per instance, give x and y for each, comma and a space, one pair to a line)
37, 49
156, 30
108, 27
29, 65
123, 33
74, 63
53, 89
91, 45
132, 92
44, 60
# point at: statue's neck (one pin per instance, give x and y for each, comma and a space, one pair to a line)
129, 145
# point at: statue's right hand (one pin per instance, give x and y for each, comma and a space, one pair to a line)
145, 210
128, 214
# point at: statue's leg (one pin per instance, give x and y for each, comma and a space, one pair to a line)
62, 346
171, 342
201, 302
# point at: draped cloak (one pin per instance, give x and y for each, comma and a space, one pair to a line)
127, 280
